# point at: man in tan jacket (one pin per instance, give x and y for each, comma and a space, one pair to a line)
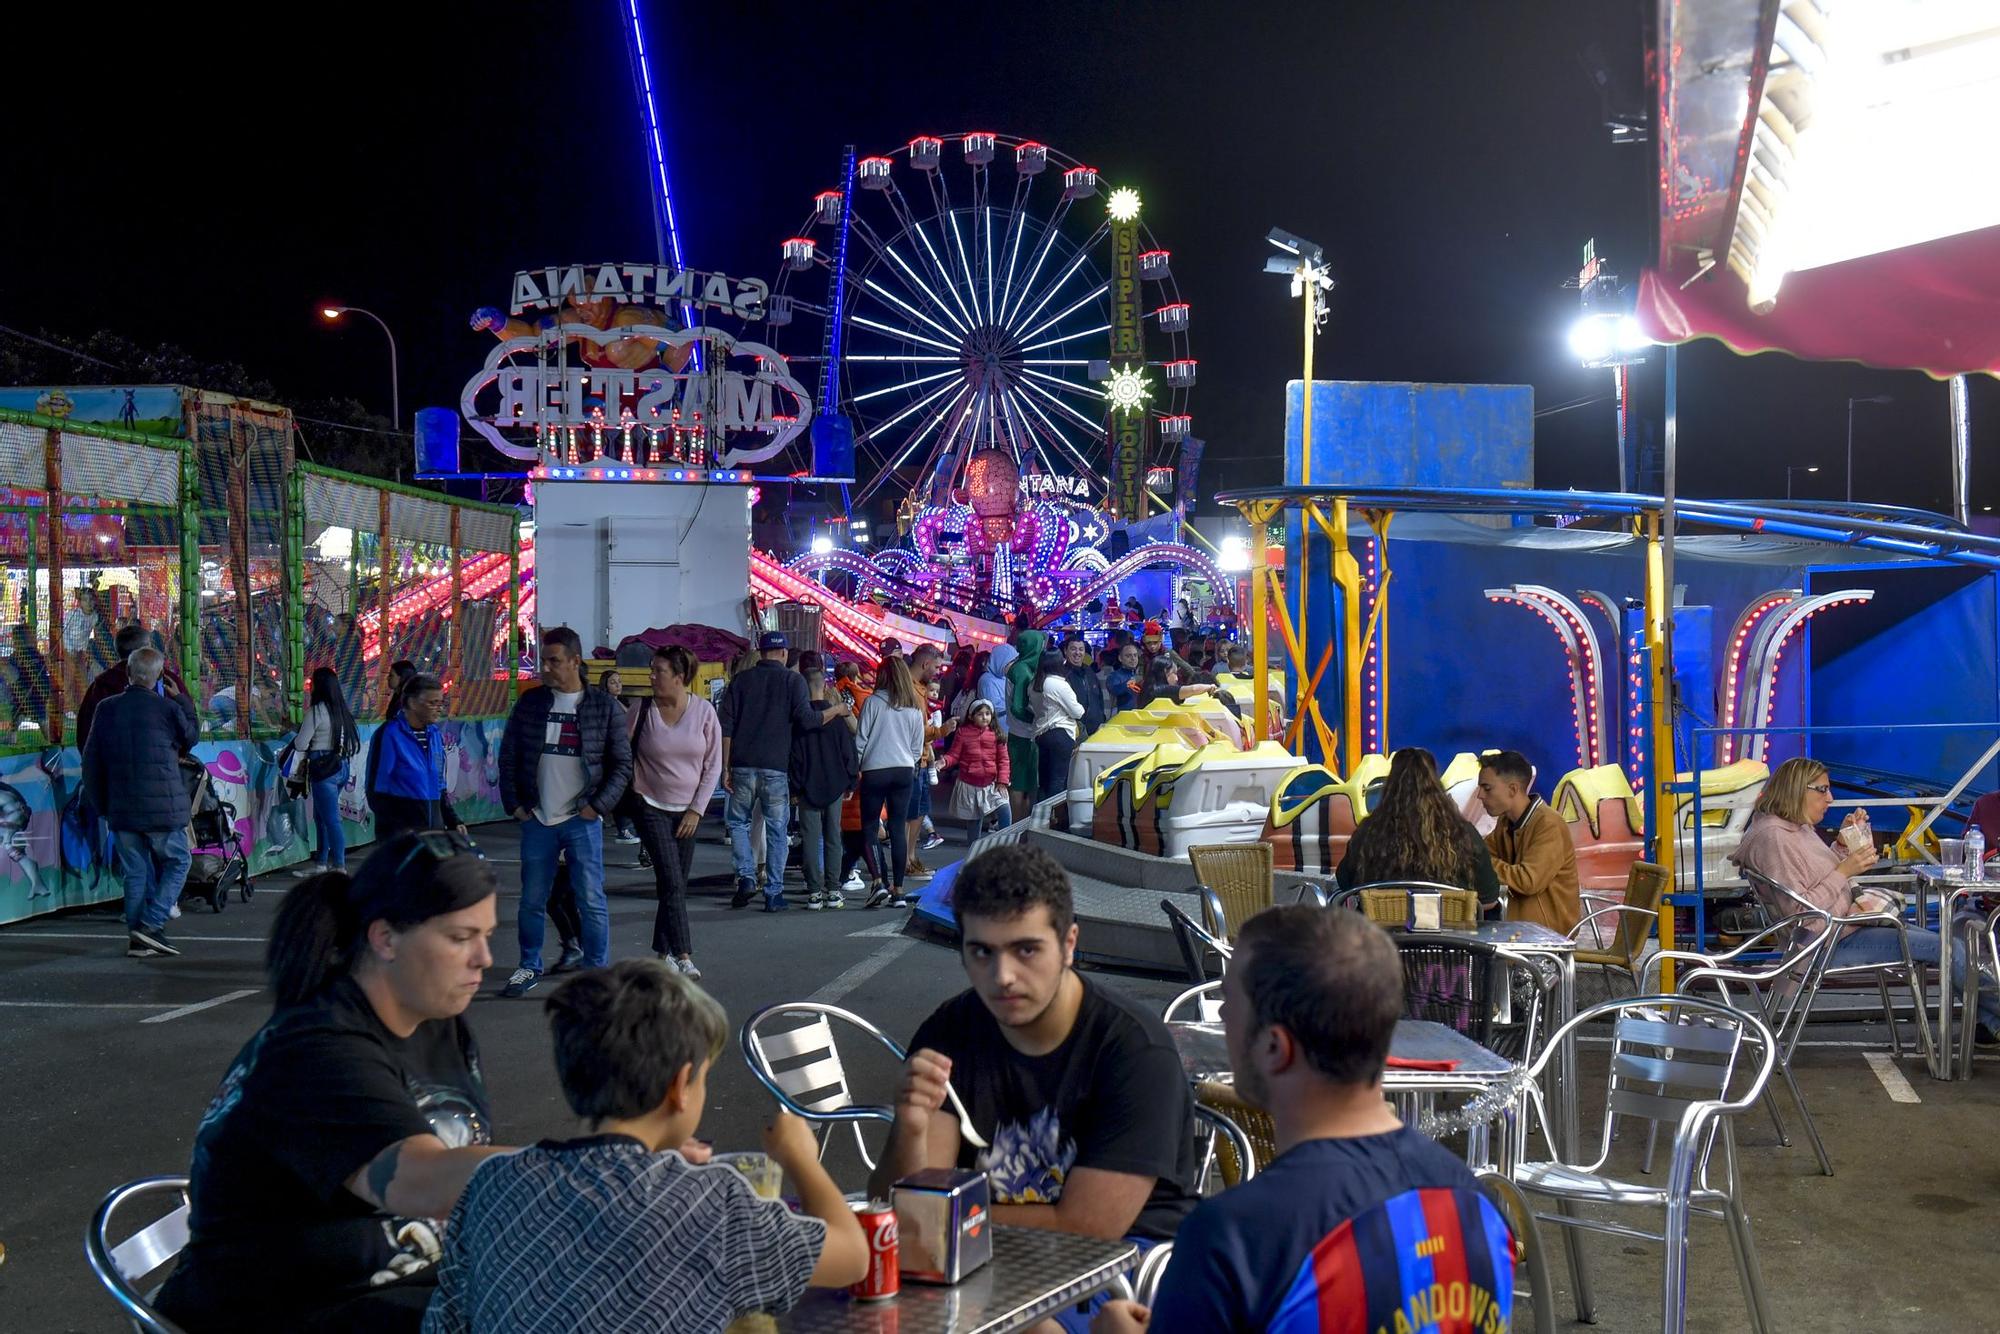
1531, 847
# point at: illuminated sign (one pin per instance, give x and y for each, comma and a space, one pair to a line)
1128, 352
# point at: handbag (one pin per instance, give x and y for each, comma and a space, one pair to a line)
324, 765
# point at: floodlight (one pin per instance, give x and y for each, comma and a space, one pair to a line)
1234, 556
1293, 244
821, 545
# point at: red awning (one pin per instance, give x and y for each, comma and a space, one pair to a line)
1933, 307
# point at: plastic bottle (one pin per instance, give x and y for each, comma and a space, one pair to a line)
1975, 853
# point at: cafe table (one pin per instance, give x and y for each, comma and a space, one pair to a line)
1033, 1275
1474, 1071
1953, 891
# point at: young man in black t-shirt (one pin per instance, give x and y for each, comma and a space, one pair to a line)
1359, 1222
1079, 1092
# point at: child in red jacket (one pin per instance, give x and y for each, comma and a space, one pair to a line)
979, 750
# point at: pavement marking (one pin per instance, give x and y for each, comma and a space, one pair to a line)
891, 930
186, 1010
79, 1005
120, 935
1897, 1087
861, 972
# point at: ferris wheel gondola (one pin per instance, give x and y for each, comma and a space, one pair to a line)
976, 309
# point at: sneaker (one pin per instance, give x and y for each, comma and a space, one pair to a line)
816, 900
775, 903
931, 840
745, 891
645, 857
834, 900
916, 870
877, 897
520, 982
627, 838
900, 901
136, 948
687, 968
309, 869
173, 912
572, 957
1986, 1039
153, 938
854, 884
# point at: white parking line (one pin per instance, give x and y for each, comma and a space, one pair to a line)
1897, 1087
199, 1007
861, 972
890, 929
6, 936
78, 1005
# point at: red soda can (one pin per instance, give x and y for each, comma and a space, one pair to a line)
883, 1279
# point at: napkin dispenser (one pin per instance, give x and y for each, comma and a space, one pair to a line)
944, 1224
1426, 910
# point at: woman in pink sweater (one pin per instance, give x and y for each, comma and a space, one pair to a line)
676, 760
979, 750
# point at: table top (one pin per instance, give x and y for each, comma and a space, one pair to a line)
1518, 936
1032, 1274
1944, 875
1205, 1054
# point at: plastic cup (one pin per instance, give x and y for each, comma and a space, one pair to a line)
1951, 856
766, 1178
1857, 837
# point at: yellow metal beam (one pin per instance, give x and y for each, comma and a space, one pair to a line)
1666, 840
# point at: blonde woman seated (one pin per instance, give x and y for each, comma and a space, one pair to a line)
1784, 844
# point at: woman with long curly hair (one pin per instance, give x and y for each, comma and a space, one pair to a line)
1415, 832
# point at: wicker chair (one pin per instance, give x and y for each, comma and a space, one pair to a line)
1636, 917
1387, 904
1240, 876
1254, 1122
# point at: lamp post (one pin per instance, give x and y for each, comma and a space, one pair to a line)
332, 314
1797, 468
1607, 335
1872, 398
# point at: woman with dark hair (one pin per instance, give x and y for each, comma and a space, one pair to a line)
891, 743
627, 814
405, 785
355, 1113
1415, 831
676, 761
400, 673
328, 739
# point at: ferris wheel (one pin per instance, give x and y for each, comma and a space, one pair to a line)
965, 302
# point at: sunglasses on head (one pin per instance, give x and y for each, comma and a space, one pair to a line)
440, 845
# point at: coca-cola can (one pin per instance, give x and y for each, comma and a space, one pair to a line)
883, 1279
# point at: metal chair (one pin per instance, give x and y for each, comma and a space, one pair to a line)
123, 1266
1146, 1283
1982, 950
1387, 903
1520, 1216
1239, 875
1469, 985
1207, 998
1255, 1142
815, 1087
1673, 1059
1195, 940
1777, 984
1226, 1148
1635, 917
1781, 901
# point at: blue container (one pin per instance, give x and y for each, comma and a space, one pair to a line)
1370, 433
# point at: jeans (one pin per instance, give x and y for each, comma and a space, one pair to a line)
673, 858
1877, 944
581, 843
819, 829
1053, 749
771, 790
328, 832
154, 866
920, 795
890, 789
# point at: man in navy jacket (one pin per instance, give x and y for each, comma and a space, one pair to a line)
564, 763
132, 773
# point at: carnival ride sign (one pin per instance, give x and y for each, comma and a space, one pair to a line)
589, 359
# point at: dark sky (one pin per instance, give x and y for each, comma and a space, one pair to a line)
211, 184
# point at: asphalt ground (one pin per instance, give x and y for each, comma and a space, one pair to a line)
109, 1063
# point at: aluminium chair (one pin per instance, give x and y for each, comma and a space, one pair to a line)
124, 1266
1634, 921
1255, 1143
802, 1068
1196, 941
1239, 876
1982, 953
1696, 1065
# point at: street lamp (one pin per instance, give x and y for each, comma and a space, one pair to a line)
1607, 335
1796, 468
332, 314
1872, 398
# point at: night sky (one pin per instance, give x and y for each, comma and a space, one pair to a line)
212, 184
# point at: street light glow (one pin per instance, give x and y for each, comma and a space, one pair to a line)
331, 312
1234, 557
1596, 339
821, 545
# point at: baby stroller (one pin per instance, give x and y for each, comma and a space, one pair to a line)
219, 863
